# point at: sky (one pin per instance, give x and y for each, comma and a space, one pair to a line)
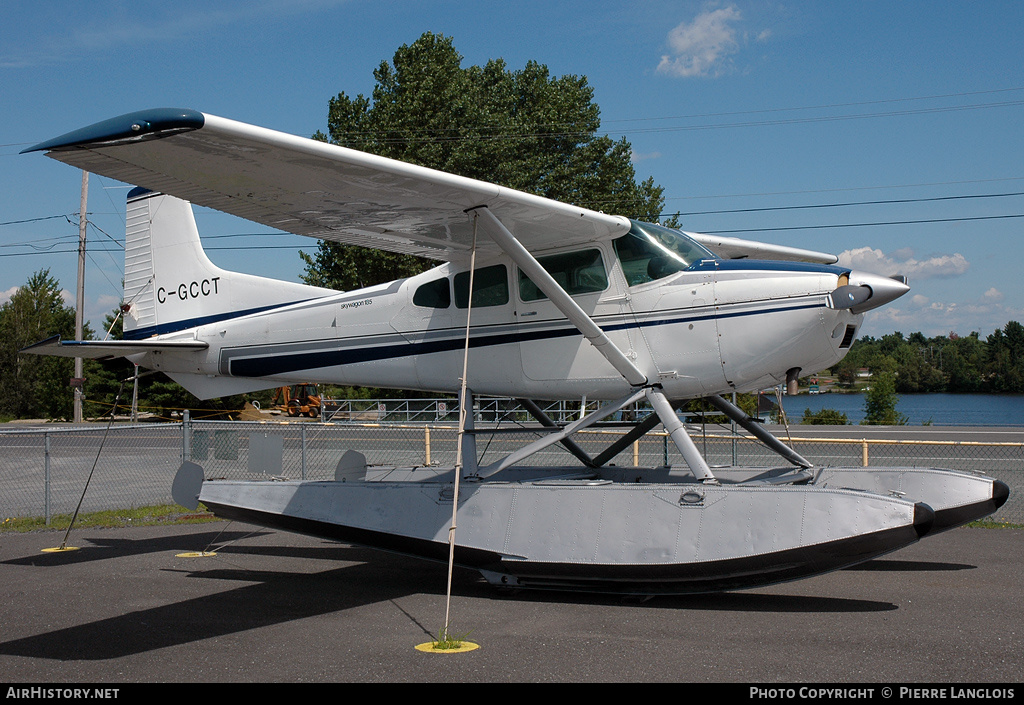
888, 133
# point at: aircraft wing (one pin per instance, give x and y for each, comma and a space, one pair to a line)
103, 349
317, 189
735, 248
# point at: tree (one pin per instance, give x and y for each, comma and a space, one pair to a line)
35, 385
521, 129
824, 417
1005, 359
880, 401
103, 379
963, 362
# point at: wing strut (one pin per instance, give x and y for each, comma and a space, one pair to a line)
562, 301
603, 344
739, 416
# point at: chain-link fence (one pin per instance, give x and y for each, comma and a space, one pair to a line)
43, 472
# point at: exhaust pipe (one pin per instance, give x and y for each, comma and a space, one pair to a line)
792, 385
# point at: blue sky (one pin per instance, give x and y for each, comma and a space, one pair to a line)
889, 132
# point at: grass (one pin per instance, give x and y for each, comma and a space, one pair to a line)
446, 641
162, 515
993, 524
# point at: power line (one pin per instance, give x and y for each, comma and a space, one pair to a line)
822, 107
570, 129
864, 225
918, 221
65, 216
840, 190
559, 130
856, 203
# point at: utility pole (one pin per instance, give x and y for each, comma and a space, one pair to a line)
80, 297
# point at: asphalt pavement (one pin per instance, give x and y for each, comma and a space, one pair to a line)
270, 607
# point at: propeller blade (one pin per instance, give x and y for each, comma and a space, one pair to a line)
849, 296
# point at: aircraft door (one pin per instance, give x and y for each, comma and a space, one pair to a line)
671, 295
551, 347
677, 320
433, 321
424, 322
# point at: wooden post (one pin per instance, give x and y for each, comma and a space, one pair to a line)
80, 296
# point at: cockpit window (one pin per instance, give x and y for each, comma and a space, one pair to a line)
435, 294
576, 272
648, 252
490, 287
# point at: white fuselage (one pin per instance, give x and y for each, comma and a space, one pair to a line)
722, 326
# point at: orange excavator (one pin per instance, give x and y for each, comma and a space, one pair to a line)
298, 400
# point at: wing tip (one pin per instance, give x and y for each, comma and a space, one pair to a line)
130, 127
53, 340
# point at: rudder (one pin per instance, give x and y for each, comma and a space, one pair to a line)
169, 282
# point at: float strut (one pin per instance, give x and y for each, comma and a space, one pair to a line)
677, 432
739, 416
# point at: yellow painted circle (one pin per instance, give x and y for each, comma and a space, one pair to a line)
429, 648
60, 549
196, 554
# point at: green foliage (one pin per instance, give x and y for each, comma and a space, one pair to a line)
35, 386
1005, 354
880, 401
157, 515
824, 417
747, 402
446, 641
956, 364
521, 129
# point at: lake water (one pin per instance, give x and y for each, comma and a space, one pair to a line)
937, 409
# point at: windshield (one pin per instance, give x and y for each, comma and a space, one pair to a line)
650, 252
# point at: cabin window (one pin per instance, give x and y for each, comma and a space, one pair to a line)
490, 287
650, 252
580, 272
435, 294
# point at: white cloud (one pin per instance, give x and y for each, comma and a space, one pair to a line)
66, 296
5, 296
940, 318
94, 31
701, 48
903, 262
635, 157
994, 294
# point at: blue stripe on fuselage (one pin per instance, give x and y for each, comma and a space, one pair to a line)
293, 362
175, 326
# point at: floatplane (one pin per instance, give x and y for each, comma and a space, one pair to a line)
533, 299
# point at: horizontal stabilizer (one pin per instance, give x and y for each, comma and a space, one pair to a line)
104, 349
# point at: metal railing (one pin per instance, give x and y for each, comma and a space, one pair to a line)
441, 410
43, 471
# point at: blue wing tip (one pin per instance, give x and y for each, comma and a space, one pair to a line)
131, 127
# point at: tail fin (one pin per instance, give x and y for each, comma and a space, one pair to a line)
169, 282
